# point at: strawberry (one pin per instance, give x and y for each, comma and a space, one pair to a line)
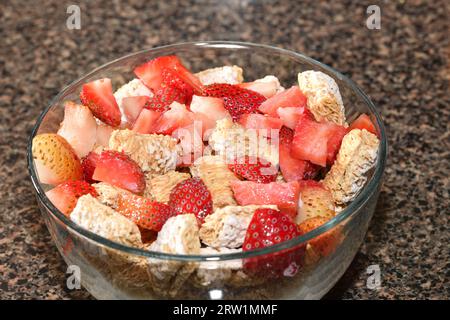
176, 117
120, 170
335, 135
260, 122
316, 201
291, 97
65, 195
144, 212
254, 169
103, 134
237, 100
79, 128
286, 135
88, 165
284, 195
132, 107
55, 159
191, 196
98, 96
172, 79
269, 227
211, 107
290, 115
267, 89
327, 242
363, 122
164, 97
147, 235
146, 121
191, 143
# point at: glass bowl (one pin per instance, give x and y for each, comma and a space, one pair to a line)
109, 270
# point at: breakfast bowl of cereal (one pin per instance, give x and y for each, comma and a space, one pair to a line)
209, 170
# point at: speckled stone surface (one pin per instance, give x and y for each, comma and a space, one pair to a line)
404, 67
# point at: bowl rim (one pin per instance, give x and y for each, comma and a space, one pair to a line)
360, 200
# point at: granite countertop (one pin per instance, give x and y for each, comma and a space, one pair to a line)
404, 67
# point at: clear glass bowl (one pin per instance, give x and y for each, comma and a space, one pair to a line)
110, 270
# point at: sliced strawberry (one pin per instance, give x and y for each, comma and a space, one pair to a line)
103, 134
290, 115
65, 195
294, 169
172, 79
88, 164
191, 143
326, 243
98, 96
147, 235
292, 97
150, 72
164, 97
267, 89
146, 121
284, 195
79, 128
55, 159
335, 135
286, 135
211, 107
191, 196
120, 170
364, 122
237, 101
144, 212
176, 117
254, 169
132, 107
260, 122
316, 201
269, 227
204, 122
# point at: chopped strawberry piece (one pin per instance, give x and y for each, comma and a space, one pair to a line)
103, 134
144, 212
316, 201
292, 97
261, 123
173, 80
286, 135
254, 169
294, 169
316, 142
164, 97
237, 100
290, 115
120, 170
210, 107
176, 117
79, 128
146, 121
267, 89
269, 227
88, 165
65, 195
326, 243
191, 143
147, 235
151, 72
191, 196
98, 96
132, 107
284, 195
364, 122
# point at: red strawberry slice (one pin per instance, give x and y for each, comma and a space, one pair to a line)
177, 117
98, 96
284, 195
88, 165
326, 243
191, 196
210, 107
237, 100
164, 97
292, 97
269, 227
335, 135
120, 170
132, 107
260, 122
191, 142
254, 169
286, 135
150, 72
267, 89
290, 115
144, 212
146, 121
65, 195
364, 122
294, 169
316, 200
173, 80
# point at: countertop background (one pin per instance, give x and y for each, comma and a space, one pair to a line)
404, 67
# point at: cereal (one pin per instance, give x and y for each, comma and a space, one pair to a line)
225, 74
108, 194
158, 187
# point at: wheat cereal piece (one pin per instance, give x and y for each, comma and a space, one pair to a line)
154, 153
225, 74
356, 156
109, 194
231, 140
216, 272
132, 88
217, 177
179, 235
226, 227
324, 98
158, 187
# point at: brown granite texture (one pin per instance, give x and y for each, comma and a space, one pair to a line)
404, 67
